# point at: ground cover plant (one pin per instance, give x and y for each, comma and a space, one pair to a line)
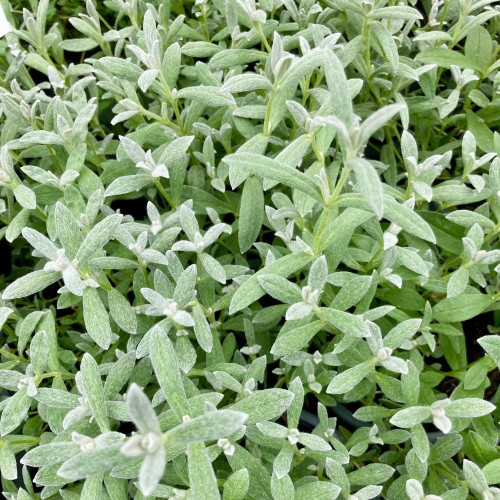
250, 249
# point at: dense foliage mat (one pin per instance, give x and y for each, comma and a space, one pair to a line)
250, 250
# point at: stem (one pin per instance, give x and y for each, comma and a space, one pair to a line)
173, 101
449, 474
317, 152
258, 27
178, 116
366, 34
145, 274
47, 57
41, 213
54, 159
267, 120
326, 212
373, 258
8, 354
195, 373
340, 184
164, 194
104, 21
443, 14
28, 440
204, 21
161, 119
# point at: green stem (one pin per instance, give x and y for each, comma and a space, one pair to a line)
258, 27
267, 120
175, 106
317, 152
8, 354
340, 184
164, 193
326, 212
161, 119
366, 35
145, 274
